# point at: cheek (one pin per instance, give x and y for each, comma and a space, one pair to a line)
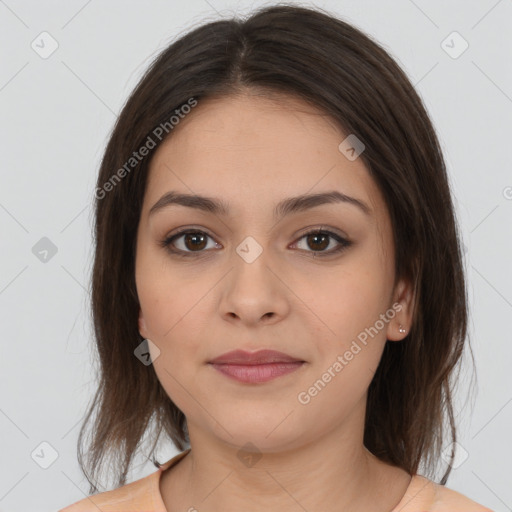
173, 322
349, 343
168, 295
354, 315
175, 312
347, 302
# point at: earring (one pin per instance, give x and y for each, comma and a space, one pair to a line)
401, 329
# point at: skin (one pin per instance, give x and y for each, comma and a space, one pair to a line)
253, 151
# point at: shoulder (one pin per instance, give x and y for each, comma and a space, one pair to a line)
135, 496
448, 500
143, 495
425, 495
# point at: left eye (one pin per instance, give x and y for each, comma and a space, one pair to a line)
320, 239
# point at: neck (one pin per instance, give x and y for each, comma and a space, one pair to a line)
332, 473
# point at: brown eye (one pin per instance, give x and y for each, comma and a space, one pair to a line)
187, 242
194, 241
319, 240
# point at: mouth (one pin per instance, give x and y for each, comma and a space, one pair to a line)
260, 357
256, 367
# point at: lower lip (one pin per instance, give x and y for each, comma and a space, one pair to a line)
257, 372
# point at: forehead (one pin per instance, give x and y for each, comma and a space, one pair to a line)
254, 148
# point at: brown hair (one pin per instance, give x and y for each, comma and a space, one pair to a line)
335, 67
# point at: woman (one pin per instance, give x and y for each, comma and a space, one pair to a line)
278, 283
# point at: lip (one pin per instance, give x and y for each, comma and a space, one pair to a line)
255, 367
260, 357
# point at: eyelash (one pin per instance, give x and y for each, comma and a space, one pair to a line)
167, 243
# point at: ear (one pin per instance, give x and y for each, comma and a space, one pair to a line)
403, 304
142, 325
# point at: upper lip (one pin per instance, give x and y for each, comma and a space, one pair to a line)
253, 358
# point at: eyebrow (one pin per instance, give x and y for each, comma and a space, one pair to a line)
285, 207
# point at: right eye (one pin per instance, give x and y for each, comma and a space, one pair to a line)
192, 241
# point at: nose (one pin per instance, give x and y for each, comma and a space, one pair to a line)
254, 292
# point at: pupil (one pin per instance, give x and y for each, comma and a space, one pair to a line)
194, 237
316, 236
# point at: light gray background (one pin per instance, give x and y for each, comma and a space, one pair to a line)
56, 114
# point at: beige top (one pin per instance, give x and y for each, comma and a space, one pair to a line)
143, 495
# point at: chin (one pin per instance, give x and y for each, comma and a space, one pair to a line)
254, 434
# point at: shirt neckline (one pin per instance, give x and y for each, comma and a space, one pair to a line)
416, 485
158, 501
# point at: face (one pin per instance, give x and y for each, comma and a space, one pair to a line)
253, 277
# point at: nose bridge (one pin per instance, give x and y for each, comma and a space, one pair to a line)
251, 262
